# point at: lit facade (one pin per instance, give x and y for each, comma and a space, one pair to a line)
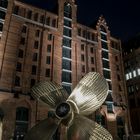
37, 45
132, 75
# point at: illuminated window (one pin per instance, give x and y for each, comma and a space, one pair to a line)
134, 73
127, 76
130, 75
138, 71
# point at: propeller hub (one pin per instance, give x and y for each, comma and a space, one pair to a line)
62, 110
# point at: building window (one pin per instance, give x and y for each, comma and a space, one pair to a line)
66, 64
34, 69
66, 42
105, 55
67, 88
138, 70
1, 27
29, 14
84, 34
36, 44
48, 60
50, 36
82, 57
32, 83
118, 77
42, 19
110, 85
67, 10
19, 67
116, 58
117, 68
130, 75
3, 3
104, 37
17, 81
66, 77
47, 74
82, 47
24, 29
134, 73
67, 32
106, 74
109, 107
54, 23
92, 60
83, 68
36, 17
92, 37
49, 48
22, 41
35, 57
20, 53
92, 69
37, 33
67, 23
2, 15
48, 20
22, 118
104, 45
16, 9
106, 64
66, 53
79, 31
102, 28
91, 50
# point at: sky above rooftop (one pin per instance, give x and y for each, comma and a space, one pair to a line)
122, 16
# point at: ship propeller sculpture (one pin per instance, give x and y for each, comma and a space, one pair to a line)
88, 96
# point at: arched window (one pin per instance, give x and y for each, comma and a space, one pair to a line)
67, 10
21, 124
102, 28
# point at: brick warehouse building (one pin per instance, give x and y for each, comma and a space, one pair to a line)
132, 72
37, 45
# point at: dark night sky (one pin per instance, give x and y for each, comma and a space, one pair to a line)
122, 16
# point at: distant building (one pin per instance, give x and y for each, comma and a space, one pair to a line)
132, 73
37, 45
